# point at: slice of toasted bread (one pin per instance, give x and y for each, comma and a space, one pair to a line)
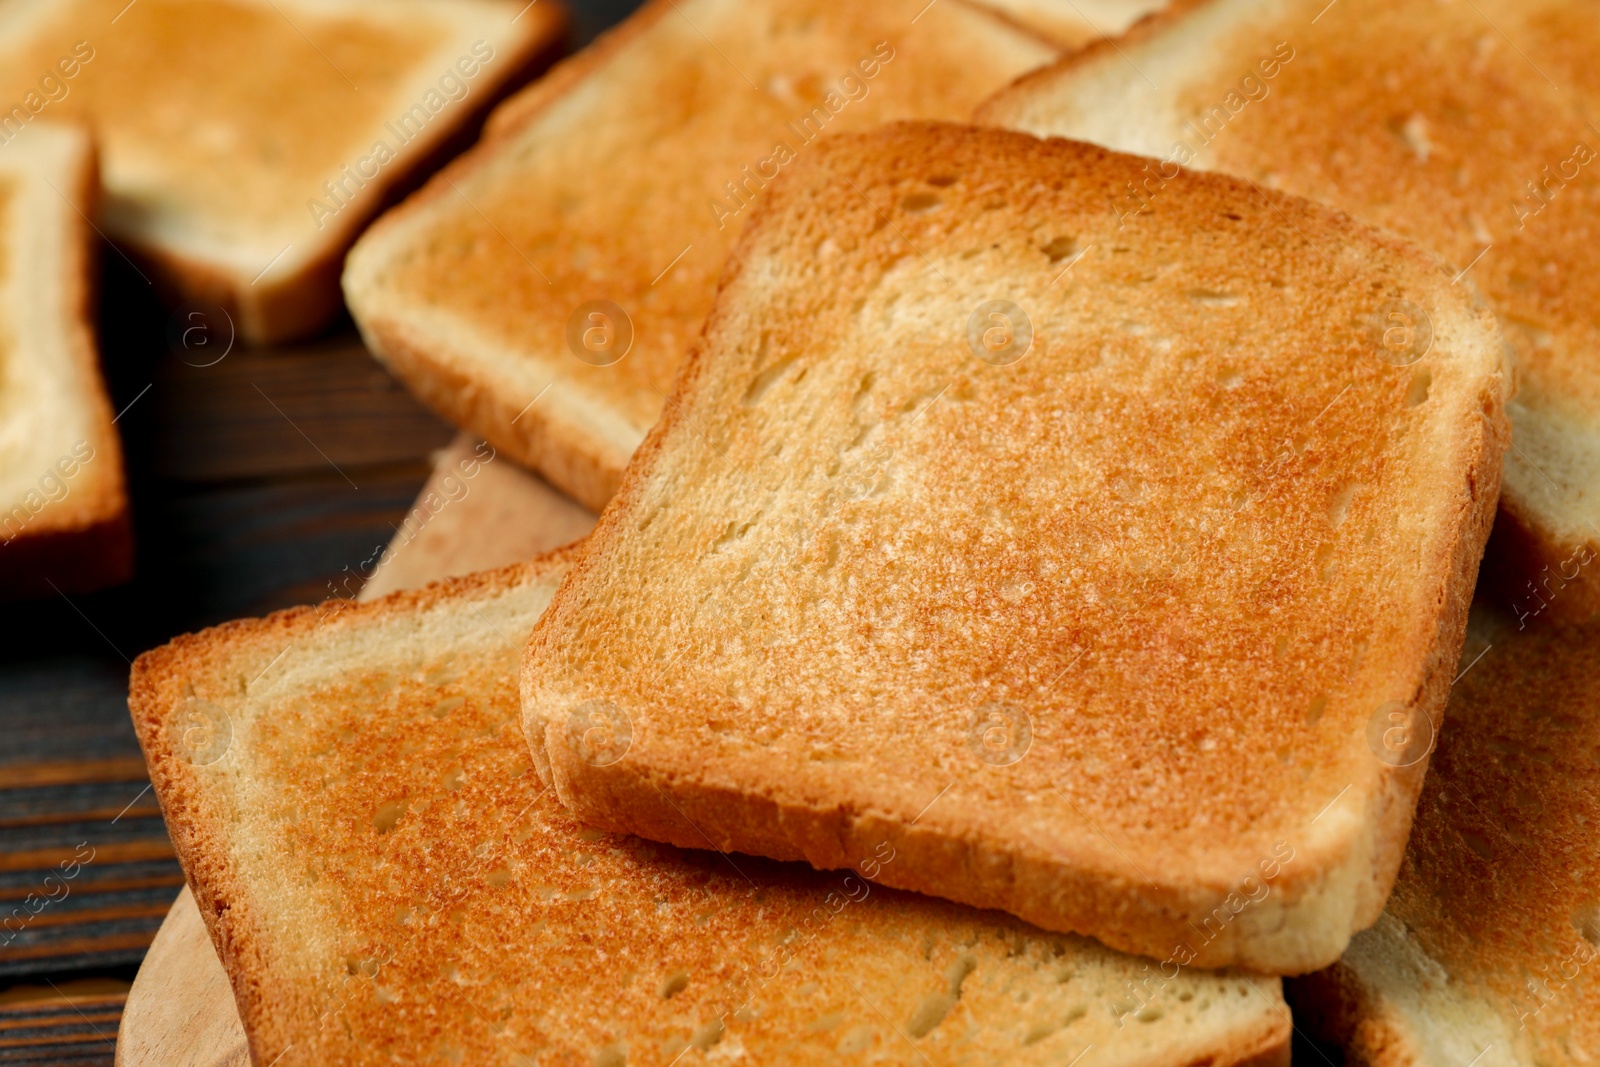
1488, 949
63, 505
1075, 23
386, 881
1074, 560
1431, 140
242, 164
542, 293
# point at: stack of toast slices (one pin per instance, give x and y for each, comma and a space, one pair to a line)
1028, 612
63, 504
387, 881
1476, 142
908, 644
245, 143
542, 290
1029, 620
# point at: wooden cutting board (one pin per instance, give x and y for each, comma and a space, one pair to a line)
180, 1012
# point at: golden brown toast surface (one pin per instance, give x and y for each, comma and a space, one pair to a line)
1491, 939
1464, 126
255, 148
625, 178
353, 802
219, 121
1447, 161
1091, 632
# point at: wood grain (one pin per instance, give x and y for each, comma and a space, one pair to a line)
181, 1012
471, 522
70, 1024
275, 413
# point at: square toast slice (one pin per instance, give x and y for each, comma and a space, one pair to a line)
1431, 139
1488, 947
542, 292
1073, 559
63, 503
386, 881
246, 143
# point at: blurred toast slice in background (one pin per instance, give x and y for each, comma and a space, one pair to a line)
245, 143
1073, 560
1464, 126
64, 524
1489, 947
1075, 23
386, 881
543, 291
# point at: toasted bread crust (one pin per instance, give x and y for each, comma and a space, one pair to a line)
1338, 888
268, 313
526, 106
84, 542
1065, 24
1396, 806
1334, 1005
580, 463
558, 435
569, 454
1525, 555
998, 109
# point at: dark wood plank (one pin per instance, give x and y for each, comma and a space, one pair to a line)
62, 1024
277, 413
